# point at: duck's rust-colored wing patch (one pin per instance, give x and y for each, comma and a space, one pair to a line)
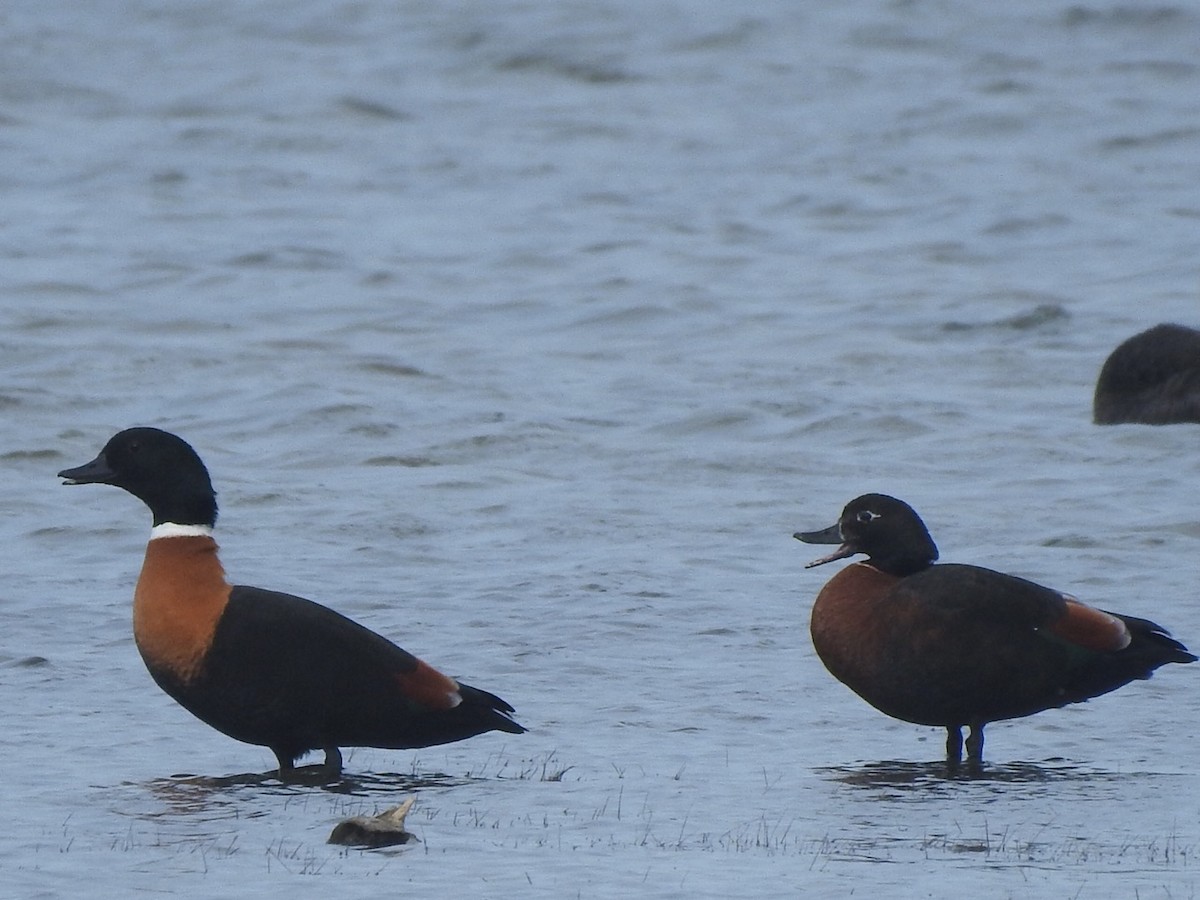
1090, 628
429, 687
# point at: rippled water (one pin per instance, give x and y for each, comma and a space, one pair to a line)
527, 334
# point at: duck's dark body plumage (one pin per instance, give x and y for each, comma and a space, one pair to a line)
959, 645
265, 667
974, 645
289, 674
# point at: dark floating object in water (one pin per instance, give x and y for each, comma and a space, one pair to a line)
1153, 378
958, 645
383, 830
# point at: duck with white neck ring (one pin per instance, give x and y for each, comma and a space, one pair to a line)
265, 667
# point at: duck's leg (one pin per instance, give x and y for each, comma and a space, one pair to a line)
975, 745
954, 744
287, 765
329, 771
333, 762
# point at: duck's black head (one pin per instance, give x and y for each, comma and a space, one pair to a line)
158, 468
887, 530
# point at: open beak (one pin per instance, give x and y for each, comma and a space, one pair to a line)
830, 535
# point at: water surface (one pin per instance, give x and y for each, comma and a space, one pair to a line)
527, 334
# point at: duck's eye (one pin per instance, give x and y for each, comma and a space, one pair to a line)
865, 515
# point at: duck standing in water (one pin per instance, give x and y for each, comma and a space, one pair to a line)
264, 667
959, 645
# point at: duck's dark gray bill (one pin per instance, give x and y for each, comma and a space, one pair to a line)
95, 472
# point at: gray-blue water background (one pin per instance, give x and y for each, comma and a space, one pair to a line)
526, 333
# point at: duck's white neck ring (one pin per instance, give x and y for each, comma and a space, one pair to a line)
174, 529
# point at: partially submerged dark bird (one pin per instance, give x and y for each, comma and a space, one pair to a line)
264, 667
384, 830
1152, 378
958, 645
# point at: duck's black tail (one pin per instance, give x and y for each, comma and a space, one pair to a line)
1151, 646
